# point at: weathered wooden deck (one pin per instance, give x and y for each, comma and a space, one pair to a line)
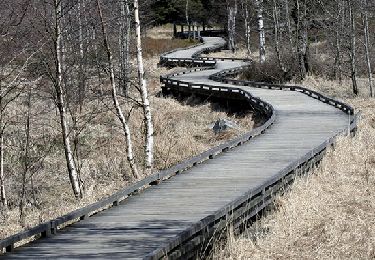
147, 221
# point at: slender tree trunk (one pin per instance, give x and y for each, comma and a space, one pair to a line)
120, 114
26, 159
353, 48
234, 23
302, 38
288, 24
187, 18
262, 36
367, 45
144, 95
75, 182
3, 196
125, 47
338, 63
247, 28
81, 76
339, 29
276, 33
231, 28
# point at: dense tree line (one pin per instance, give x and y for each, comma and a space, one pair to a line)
289, 27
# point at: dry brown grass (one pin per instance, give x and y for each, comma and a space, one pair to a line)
152, 47
331, 213
181, 131
160, 39
241, 53
161, 32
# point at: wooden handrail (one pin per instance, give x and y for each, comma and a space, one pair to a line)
205, 226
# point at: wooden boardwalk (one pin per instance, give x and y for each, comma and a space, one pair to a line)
148, 220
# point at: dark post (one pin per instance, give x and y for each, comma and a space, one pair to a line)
182, 28
174, 30
204, 26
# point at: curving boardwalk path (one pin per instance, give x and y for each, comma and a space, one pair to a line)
144, 222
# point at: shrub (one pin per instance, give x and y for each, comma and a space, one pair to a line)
271, 72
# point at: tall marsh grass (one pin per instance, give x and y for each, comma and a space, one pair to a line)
331, 213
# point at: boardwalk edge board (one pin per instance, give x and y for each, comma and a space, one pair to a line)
235, 212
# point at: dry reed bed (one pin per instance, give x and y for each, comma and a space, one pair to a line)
181, 131
331, 213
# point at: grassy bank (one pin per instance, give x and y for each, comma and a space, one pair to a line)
331, 213
181, 131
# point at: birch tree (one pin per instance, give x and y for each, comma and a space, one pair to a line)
82, 71
187, 18
277, 37
125, 26
149, 139
353, 47
26, 156
246, 17
119, 112
339, 28
288, 23
232, 14
367, 44
60, 101
262, 36
3, 196
300, 17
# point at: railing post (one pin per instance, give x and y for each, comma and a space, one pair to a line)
9, 248
47, 232
53, 228
174, 30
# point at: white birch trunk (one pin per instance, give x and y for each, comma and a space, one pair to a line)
230, 29
81, 76
144, 95
232, 13
353, 47
125, 47
339, 28
120, 114
247, 29
367, 46
187, 17
75, 182
3, 196
81, 51
234, 25
277, 36
262, 36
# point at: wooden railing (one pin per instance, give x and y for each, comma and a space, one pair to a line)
237, 212
190, 242
51, 227
222, 76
